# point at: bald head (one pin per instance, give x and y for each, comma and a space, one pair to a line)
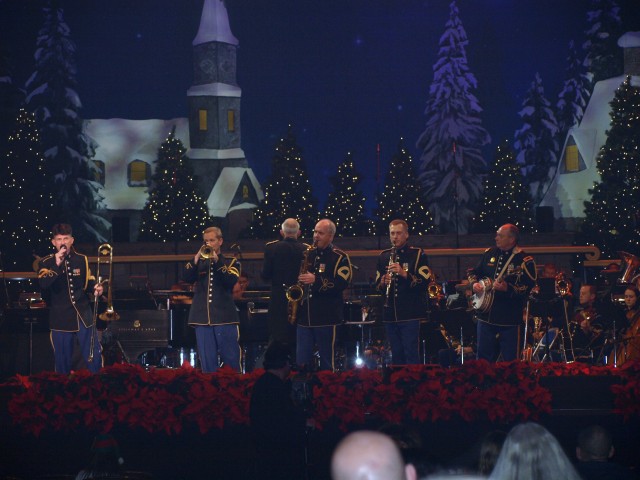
368, 455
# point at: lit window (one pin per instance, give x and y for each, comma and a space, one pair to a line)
571, 159
98, 171
231, 120
202, 116
139, 174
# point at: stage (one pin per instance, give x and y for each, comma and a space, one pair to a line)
180, 423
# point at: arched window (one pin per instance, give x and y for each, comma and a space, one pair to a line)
139, 174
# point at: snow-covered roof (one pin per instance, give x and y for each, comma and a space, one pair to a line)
629, 40
214, 90
119, 142
214, 24
224, 191
569, 190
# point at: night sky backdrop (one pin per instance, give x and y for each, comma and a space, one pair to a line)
348, 74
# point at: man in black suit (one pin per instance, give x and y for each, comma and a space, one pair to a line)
281, 267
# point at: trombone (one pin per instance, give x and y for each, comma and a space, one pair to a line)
105, 256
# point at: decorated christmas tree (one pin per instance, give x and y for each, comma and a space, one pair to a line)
52, 96
287, 193
536, 142
506, 198
174, 211
346, 202
452, 165
25, 197
403, 197
612, 216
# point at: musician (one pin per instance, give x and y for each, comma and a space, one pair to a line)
406, 279
510, 274
586, 324
65, 278
281, 267
213, 313
240, 286
321, 311
631, 335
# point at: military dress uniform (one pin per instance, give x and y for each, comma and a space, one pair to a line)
213, 313
407, 303
321, 311
499, 328
281, 267
66, 288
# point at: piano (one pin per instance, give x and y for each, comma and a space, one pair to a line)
138, 331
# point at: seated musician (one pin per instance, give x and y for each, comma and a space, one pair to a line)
629, 340
587, 325
240, 286
550, 301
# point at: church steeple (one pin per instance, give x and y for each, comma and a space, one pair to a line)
219, 164
214, 97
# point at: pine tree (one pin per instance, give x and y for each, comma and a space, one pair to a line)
55, 102
536, 142
573, 98
506, 199
174, 211
612, 216
287, 193
25, 197
403, 197
603, 56
346, 202
453, 182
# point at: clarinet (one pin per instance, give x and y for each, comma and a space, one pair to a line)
392, 260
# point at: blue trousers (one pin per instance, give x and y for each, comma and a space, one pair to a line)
218, 339
496, 339
404, 339
322, 337
63, 343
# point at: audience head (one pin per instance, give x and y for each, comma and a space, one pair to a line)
277, 359
530, 452
594, 445
490, 450
369, 455
106, 454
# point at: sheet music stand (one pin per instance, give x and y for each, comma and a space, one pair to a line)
35, 319
458, 320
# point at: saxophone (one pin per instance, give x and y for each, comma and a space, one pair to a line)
295, 293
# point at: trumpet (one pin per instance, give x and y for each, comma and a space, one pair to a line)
392, 260
206, 251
